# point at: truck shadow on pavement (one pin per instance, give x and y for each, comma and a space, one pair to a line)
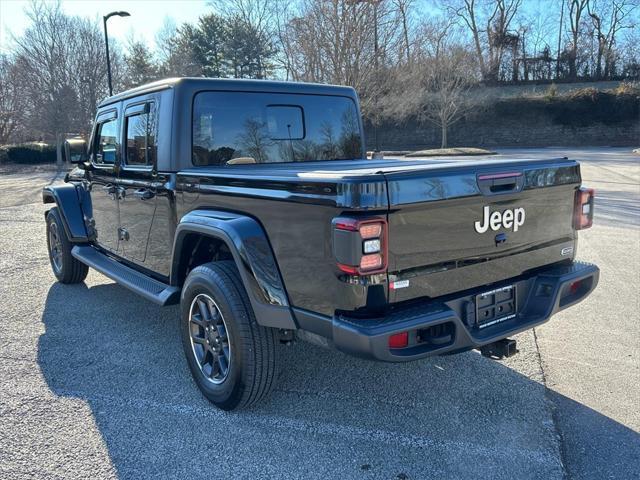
331, 415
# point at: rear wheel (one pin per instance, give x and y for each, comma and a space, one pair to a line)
231, 357
66, 268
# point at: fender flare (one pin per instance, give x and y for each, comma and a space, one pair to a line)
253, 256
68, 200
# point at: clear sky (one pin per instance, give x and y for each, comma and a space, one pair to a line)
147, 16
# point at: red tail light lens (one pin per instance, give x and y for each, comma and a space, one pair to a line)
399, 340
360, 245
574, 287
583, 208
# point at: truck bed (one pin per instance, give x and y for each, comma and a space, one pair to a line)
431, 207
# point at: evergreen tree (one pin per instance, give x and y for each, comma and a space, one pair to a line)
207, 42
249, 51
140, 67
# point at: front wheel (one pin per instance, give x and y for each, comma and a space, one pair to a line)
66, 268
231, 357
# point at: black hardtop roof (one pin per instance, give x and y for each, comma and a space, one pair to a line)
231, 84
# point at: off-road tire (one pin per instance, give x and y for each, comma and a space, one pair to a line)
252, 365
65, 266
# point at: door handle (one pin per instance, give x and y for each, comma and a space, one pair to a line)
144, 194
114, 191
111, 190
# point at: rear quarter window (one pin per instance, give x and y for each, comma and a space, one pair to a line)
244, 128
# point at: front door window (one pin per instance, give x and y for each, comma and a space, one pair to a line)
107, 143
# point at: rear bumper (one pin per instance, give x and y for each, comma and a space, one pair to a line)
453, 318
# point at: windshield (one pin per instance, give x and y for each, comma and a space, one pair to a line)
243, 128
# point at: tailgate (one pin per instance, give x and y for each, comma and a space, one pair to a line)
464, 225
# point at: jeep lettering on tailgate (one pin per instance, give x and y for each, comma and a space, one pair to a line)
497, 220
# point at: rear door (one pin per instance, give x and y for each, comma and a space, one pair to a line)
136, 179
105, 151
452, 229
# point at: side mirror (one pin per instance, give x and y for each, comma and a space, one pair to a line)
75, 150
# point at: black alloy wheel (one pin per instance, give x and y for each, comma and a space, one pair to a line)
231, 357
209, 338
65, 266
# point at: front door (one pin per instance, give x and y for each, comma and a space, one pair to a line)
104, 190
137, 180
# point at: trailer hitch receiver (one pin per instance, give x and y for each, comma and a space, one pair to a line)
504, 348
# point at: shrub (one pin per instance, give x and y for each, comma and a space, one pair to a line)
28, 153
578, 108
552, 92
628, 88
587, 106
588, 94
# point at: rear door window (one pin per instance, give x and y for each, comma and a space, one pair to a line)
245, 127
141, 135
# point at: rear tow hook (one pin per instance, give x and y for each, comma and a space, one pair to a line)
504, 348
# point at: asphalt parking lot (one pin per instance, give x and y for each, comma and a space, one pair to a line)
94, 384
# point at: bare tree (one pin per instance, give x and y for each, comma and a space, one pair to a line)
12, 101
404, 7
446, 84
88, 75
560, 29
608, 19
282, 17
63, 69
435, 89
489, 24
260, 14
333, 42
577, 8
164, 38
43, 50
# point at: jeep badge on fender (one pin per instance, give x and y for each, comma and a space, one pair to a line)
506, 219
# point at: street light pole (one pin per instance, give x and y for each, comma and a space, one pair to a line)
375, 117
375, 63
106, 43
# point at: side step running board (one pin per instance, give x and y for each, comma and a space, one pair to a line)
142, 284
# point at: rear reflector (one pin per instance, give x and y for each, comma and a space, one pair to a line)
349, 224
348, 269
574, 287
399, 340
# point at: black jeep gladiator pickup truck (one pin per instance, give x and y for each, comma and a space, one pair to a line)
252, 204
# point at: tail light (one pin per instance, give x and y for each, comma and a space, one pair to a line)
399, 340
360, 245
583, 208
